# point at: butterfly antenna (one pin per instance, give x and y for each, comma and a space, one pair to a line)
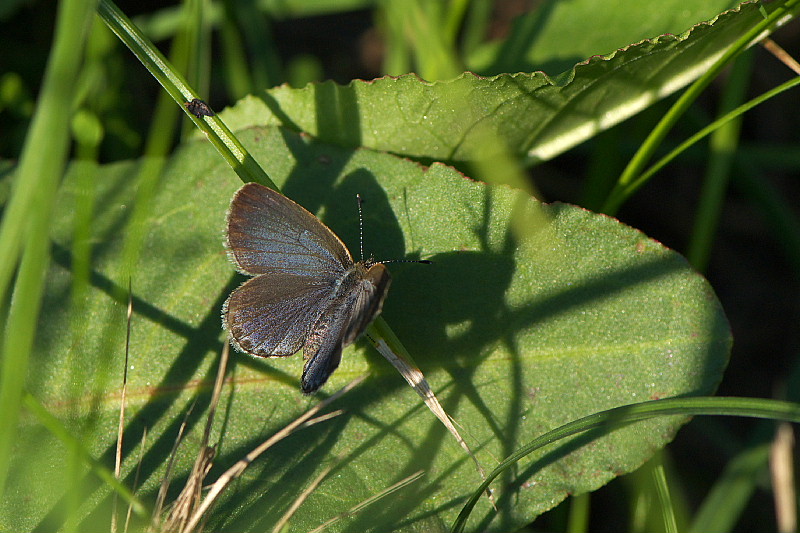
423, 261
360, 225
361, 238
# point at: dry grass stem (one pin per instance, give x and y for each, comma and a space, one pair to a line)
416, 379
122, 402
782, 55
781, 465
236, 470
136, 477
192, 492
369, 501
322, 418
300, 499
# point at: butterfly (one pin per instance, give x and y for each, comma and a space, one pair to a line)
305, 291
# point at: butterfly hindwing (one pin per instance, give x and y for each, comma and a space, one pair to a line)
273, 314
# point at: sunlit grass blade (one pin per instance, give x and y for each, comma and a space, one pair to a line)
25, 229
645, 176
624, 415
632, 172
176, 85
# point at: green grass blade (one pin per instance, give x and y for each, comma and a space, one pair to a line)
623, 189
621, 416
728, 499
664, 498
723, 146
175, 84
579, 513
645, 176
27, 218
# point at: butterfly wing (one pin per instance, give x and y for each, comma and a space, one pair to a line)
323, 348
269, 233
307, 292
273, 314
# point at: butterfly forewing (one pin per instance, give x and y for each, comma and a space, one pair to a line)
268, 233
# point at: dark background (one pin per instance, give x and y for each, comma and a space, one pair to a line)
754, 264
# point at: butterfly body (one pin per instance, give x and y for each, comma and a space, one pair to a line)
306, 290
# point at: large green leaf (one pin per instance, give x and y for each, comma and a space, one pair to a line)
530, 316
472, 117
557, 35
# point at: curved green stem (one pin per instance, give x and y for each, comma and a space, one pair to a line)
624, 415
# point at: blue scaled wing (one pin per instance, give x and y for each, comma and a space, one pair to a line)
273, 314
269, 233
